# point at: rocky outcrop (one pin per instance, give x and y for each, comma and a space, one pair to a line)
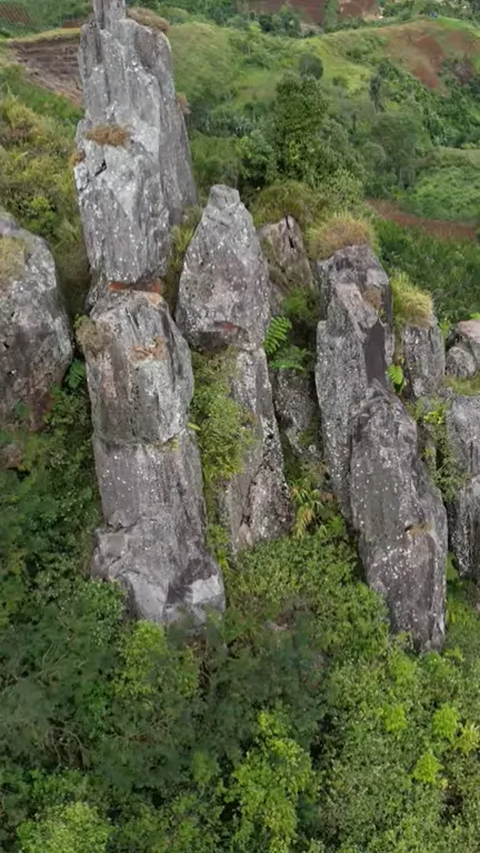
354, 349
223, 302
463, 422
400, 519
140, 382
463, 356
296, 408
371, 446
223, 297
423, 355
288, 264
35, 337
133, 172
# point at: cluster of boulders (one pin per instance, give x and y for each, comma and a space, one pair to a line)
134, 180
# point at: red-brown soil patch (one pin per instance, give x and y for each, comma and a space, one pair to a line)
313, 10
441, 228
51, 63
423, 46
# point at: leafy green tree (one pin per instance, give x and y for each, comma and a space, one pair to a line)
76, 828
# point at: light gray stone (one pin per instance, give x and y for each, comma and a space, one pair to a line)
130, 194
224, 288
354, 348
296, 408
35, 336
400, 519
288, 264
148, 466
467, 335
463, 422
460, 363
423, 352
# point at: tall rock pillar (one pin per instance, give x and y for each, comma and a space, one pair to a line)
133, 174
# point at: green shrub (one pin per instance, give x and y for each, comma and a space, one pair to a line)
36, 186
224, 427
288, 198
468, 387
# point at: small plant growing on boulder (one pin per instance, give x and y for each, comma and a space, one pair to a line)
411, 305
338, 232
109, 134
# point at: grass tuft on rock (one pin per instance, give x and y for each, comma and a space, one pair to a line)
412, 306
109, 134
338, 232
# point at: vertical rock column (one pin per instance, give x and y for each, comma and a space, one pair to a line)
371, 447
224, 302
148, 467
133, 174
35, 335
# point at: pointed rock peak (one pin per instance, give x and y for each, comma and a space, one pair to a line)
107, 11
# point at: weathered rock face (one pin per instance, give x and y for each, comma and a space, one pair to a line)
400, 519
35, 337
354, 349
463, 422
460, 363
224, 301
255, 504
135, 177
224, 289
288, 264
423, 354
296, 408
148, 467
371, 445
463, 358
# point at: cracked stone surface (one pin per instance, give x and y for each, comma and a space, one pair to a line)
35, 335
148, 465
371, 446
131, 192
400, 519
463, 422
224, 302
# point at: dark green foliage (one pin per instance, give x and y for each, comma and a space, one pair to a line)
36, 184
310, 64
447, 269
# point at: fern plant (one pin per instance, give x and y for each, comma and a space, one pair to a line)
396, 377
277, 334
292, 358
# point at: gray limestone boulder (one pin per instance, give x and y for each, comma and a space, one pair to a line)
133, 171
288, 264
423, 352
463, 356
463, 422
35, 336
354, 349
296, 408
223, 296
400, 519
460, 363
148, 466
